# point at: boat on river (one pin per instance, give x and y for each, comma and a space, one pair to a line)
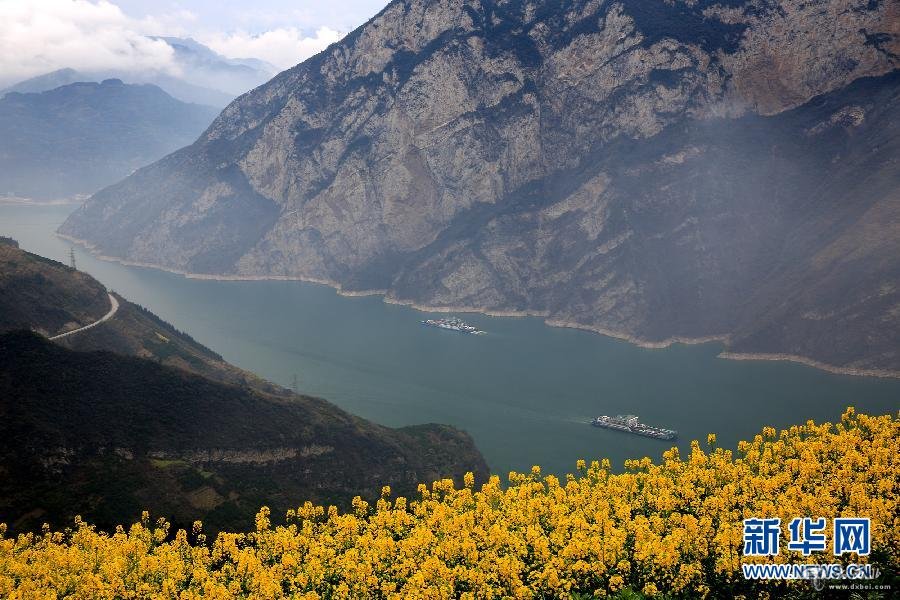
452, 324
631, 424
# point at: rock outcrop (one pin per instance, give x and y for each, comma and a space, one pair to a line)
652, 169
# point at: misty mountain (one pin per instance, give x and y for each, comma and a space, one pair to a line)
80, 137
204, 67
206, 77
652, 170
48, 81
175, 87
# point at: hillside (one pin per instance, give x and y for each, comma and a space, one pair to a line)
105, 436
143, 416
652, 170
80, 137
50, 298
44, 295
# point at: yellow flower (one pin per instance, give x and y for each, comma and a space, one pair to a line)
667, 529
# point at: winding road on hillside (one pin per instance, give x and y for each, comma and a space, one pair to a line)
114, 306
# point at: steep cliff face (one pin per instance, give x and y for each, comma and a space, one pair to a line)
646, 168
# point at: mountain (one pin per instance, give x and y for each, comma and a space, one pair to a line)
133, 415
48, 81
654, 170
80, 137
203, 76
174, 86
204, 67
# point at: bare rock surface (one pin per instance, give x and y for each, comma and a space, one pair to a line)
652, 169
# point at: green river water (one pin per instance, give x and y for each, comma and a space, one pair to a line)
525, 391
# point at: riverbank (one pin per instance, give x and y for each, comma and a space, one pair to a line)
809, 362
626, 337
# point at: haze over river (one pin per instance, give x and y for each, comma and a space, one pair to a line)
525, 391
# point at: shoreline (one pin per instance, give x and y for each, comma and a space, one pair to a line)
462, 309
810, 362
636, 341
618, 335
210, 277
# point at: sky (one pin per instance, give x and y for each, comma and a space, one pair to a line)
39, 36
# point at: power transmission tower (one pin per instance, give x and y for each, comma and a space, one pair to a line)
72, 259
295, 385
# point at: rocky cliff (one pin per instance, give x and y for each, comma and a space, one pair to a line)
651, 169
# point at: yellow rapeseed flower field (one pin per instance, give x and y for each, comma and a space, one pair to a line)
672, 529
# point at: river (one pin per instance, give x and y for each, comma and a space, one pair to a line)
525, 391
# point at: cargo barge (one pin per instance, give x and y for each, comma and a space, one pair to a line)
452, 324
631, 424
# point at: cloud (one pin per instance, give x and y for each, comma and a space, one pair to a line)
283, 47
41, 36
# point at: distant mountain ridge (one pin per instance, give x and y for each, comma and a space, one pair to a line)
177, 88
655, 170
78, 138
47, 81
206, 77
204, 67
134, 415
